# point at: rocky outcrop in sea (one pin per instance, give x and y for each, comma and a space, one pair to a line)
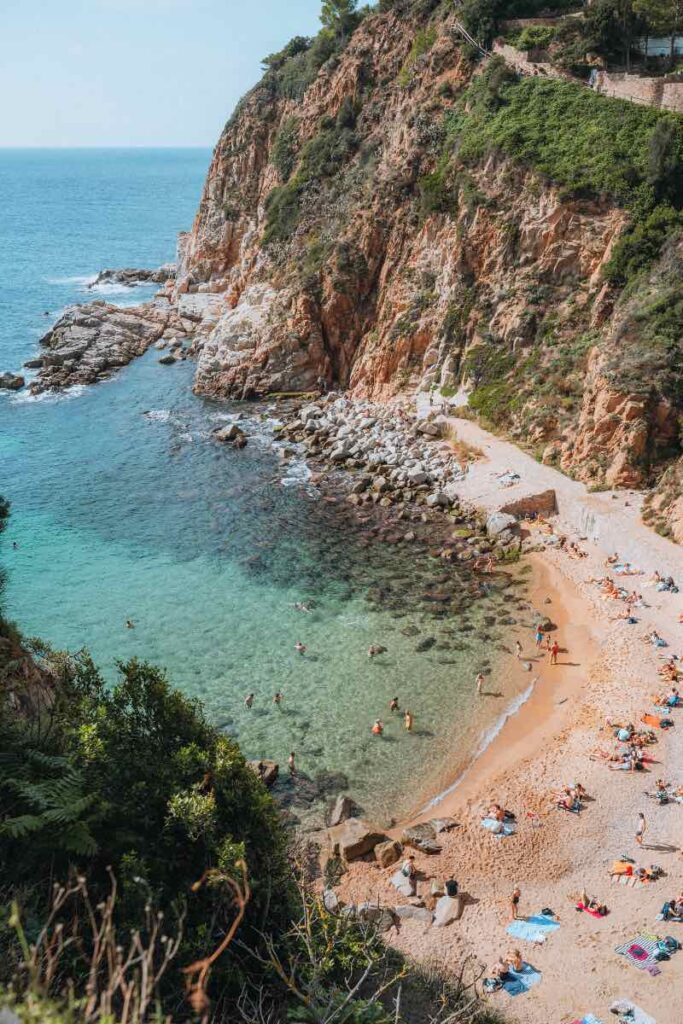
90, 342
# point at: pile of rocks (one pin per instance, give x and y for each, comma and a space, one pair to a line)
403, 457
396, 461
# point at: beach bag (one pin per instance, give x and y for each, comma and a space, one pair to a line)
671, 944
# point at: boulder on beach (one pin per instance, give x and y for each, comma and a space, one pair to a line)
355, 838
499, 524
388, 853
421, 837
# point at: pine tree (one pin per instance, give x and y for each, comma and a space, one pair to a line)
338, 17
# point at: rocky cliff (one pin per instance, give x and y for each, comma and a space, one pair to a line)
345, 245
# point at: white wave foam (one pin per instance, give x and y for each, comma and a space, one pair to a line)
49, 396
298, 474
162, 415
485, 742
82, 280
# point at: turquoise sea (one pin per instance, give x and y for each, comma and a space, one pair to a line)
124, 508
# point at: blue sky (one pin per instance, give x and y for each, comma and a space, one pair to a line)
134, 72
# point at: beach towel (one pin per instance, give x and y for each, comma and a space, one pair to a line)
640, 952
621, 867
588, 1019
499, 829
521, 981
629, 1013
587, 910
533, 929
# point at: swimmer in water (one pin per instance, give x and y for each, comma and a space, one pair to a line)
301, 648
130, 624
277, 699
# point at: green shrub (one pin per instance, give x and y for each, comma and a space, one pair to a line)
422, 43
285, 147
641, 244
591, 145
533, 37
322, 157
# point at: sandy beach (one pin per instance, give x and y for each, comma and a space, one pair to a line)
605, 670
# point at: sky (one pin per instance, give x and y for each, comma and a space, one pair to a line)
134, 72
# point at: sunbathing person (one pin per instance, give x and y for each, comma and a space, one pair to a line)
593, 904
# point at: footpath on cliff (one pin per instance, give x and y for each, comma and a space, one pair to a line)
607, 673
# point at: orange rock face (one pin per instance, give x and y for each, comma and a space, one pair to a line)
379, 293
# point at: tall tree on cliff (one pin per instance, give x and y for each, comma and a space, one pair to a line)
339, 17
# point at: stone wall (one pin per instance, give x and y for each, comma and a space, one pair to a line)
663, 93
527, 62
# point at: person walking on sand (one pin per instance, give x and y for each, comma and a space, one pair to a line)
554, 651
514, 903
641, 828
480, 682
539, 636
518, 649
249, 700
291, 763
408, 719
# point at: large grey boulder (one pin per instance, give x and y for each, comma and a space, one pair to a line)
500, 523
422, 837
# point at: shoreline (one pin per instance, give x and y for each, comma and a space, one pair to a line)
521, 731
546, 745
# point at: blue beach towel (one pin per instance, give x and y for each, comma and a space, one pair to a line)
494, 826
521, 981
533, 929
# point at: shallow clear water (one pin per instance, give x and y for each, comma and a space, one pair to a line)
124, 507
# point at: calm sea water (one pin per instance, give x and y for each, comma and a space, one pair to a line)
123, 507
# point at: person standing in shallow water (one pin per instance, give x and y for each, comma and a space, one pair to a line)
249, 700
277, 699
377, 728
292, 763
480, 682
393, 704
408, 719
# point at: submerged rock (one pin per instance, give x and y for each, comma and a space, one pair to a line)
11, 381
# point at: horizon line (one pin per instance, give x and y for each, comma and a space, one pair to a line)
121, 146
